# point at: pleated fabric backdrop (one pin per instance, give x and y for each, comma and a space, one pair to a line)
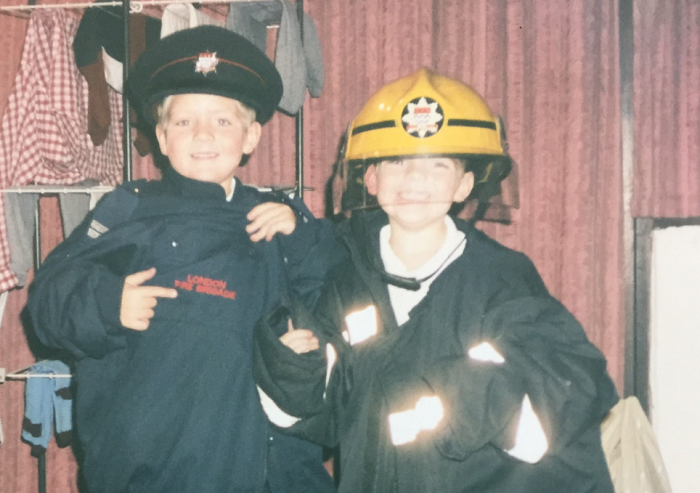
667, 109
550, 68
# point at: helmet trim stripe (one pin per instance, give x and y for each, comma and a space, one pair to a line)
374, 126
456, 122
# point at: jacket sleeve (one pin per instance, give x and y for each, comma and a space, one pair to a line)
310, 252
75, 299
529, 346
295, 382
299, 391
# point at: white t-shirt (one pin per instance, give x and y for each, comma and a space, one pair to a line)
403, 300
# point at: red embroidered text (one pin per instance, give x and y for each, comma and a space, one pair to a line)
206, 285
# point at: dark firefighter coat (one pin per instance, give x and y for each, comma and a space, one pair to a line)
174, 408
490, 294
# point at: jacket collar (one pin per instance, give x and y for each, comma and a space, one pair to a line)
361, 235
181, 185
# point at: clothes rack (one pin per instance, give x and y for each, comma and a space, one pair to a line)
22, 374
137, 6
51, 189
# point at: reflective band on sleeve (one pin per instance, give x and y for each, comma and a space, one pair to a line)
274, 413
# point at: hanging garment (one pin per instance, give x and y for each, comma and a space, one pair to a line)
47, 401
20, 213
99, 54
44, 128
299, 63
633, 455
178, 16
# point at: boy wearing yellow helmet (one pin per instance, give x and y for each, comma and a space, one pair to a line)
436, 357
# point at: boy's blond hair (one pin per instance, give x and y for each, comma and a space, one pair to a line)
246, 114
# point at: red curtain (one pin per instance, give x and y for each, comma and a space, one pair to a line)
666, 109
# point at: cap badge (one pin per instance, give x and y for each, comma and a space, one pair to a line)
422, 117
206, 63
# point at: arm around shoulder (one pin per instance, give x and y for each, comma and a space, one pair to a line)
311, 251
295, 388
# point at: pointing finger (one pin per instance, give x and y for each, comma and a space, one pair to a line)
159, 292
138, 278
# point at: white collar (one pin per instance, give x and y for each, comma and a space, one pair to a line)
404, 300
394, 265
233, 189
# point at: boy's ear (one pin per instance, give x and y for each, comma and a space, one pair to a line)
162, 139
465, 187
252, 137
371, 179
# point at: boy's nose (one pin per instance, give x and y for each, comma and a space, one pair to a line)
203, 131
414, 171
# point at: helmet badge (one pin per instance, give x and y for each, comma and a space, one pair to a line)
206, 63
422, 117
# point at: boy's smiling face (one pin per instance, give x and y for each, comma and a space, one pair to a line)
417, 193
205, 137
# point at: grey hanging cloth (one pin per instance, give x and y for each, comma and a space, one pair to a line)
299, 63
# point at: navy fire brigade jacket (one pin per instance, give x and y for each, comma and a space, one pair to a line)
174, 408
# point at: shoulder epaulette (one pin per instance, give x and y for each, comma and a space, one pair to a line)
115, 208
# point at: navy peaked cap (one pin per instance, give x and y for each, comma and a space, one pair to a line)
205, 60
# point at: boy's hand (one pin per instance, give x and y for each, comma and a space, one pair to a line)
299, 340
270, 218
138, 301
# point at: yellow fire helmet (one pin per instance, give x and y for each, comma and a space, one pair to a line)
426, 114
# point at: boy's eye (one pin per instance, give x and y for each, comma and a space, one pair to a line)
443, 164
181, 122
224, 122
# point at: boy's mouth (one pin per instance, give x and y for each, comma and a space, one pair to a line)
414, 197
204, 155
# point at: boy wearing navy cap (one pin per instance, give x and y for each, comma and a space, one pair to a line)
154, 297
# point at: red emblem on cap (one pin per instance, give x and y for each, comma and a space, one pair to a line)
206, 63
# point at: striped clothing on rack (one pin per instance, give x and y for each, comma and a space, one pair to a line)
43, 138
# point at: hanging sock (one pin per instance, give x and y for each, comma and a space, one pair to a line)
47, 400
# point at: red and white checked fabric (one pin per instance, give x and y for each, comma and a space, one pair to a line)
43, 135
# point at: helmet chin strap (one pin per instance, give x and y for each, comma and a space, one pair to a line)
411, 283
